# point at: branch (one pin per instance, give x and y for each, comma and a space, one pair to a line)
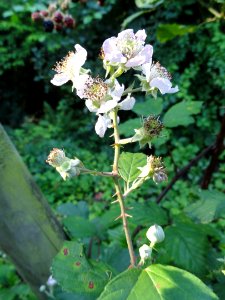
219, 146
184, 171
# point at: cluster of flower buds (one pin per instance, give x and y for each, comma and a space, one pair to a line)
154, 168
55, 17
66, 167
155, 234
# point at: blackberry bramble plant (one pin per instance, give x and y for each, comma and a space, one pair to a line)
105, 97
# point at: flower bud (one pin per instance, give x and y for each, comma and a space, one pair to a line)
51, 281
66, 167
56, 157
155, 234
42, 288
145, 252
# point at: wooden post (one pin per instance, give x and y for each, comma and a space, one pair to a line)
29, 232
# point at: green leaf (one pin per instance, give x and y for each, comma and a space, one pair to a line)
186, 244
129, 163
79, 227
149, 107
117, 257
127, 128
210, 207
156, 282
147, 214
166, 32
76, 274
69, 209
180, 114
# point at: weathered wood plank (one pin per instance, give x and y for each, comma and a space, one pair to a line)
29, 232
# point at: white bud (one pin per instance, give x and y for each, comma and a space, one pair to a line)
155, 234
145, 252
51, 281
42, 288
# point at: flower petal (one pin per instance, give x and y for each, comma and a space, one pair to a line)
163, 84
107, 106
60, 79
141, 35
144, 56
79, 84
125, 33
111, 51
102, 125
127, 103
90, 106
117, 92
81, 54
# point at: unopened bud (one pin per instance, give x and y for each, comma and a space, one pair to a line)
155, 234
42, 288
145, 252
51, 281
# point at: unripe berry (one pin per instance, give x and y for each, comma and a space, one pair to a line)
48, 25
69, 22
58, 26
58, 17
36, 16
44, 13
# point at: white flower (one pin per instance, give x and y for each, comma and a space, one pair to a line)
128, 49
102, 99
145, 252
155, 234
158, 77
69, 67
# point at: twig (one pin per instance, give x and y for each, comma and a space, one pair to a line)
219, 146
183, 171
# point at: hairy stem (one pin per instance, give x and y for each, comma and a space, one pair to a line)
118, 189
131, 91
93, 172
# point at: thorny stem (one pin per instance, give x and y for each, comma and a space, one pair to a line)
118, 189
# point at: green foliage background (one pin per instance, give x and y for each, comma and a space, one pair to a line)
188, 39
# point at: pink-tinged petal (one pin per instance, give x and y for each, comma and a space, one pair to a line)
141, 35
147, 52
107, 106
144, 56
163, 84
90, 106
81, 54
60, 79
125, 33
102, 125
111, 51
127, 104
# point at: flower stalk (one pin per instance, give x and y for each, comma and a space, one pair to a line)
118, 189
